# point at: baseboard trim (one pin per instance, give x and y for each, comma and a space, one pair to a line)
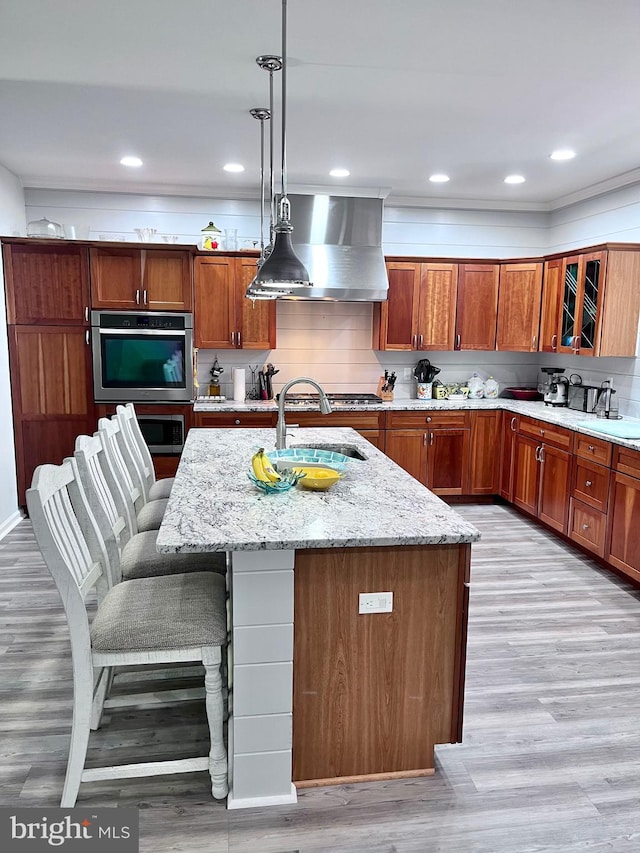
368, 777
260, 802
9, 523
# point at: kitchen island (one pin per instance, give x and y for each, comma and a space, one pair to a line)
320, 691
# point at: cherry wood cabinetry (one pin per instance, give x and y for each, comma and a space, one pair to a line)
519, 307
551, 295
46, 284
52, 395
509, 430
235, 419
477, 308
484, 466
420, 310
144, 279
223, 317
622, 541
433, 447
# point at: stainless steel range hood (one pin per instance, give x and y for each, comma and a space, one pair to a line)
339, 240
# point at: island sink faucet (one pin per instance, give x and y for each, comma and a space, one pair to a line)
281, 426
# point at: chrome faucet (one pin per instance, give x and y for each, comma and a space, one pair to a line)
281, 426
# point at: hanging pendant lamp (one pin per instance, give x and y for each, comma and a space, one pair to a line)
271, 64
283, 269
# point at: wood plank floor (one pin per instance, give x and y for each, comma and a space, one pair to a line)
551, 752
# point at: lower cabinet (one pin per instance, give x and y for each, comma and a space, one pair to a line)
484, 468
587, 527
234, 419
509, 430
623, 542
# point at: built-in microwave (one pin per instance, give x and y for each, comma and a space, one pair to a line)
163, 433
142, 357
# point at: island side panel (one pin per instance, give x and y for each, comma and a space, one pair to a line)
373, 693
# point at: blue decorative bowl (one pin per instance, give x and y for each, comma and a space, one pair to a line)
307, 457
288, 481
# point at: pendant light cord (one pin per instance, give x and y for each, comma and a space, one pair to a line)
284, 96
272, 196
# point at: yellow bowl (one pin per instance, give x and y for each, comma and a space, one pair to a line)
318, 478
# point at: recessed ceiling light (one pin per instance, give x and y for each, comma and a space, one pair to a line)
562, 154
514, 179
439, 178
339, 173
131, 161
233, 167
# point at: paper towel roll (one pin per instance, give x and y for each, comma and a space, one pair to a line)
239, 392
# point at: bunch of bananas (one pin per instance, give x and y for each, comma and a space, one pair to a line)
263, 469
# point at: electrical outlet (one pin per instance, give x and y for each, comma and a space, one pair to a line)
375, 602
407, 373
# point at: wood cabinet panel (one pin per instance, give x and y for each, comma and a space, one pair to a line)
619, 329
590, 484
46, 284
214, 309
448, 461
477, 307
141, 279
167, 280
485, 453
388, 683
165, 466
357, 420
551, 295
623, 543
375, 436
587, 527
548, 433
257, 319
592, 449
116, 278
428, 418
555, 479
396, 319
507, 455
235, 419
407, 448
526, 479
436, 323
627, 461
519, 307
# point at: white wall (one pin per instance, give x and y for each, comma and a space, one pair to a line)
12, 222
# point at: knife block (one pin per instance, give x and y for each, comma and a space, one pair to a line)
384, 395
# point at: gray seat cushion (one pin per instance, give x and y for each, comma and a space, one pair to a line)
161, 488
151, 515
172, 612
140, 559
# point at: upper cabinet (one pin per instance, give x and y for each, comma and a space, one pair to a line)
149, 279
223, 317
477, 308
46, 284
420, 310
591, 303
519, 306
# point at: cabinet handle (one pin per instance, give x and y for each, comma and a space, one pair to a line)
239, 344
86, 313
585, 526
429, 419
554, 343
466, 584
458, 342
145, 299
591, 448
415, 342
514, 424
534, 343
430, 438
541, 457
137, 297
541, 432
86, 337
424, 440
420, 342
237, 421
588, 483
576, 344
233, 339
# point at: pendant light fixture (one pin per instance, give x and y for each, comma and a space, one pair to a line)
283, 269
271, 64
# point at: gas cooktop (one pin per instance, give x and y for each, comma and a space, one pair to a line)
336, 400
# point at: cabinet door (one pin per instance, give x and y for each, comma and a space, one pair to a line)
214, 309
507, 455
555, 484
375, 436
448, 461
46, 284
571, 273
257, 319
407, 448
591, 289
166, 280
485, 455
399, 314
551, 296
623, 542
116, 278
437, 306
526, 477
477, 307
519, 307
52, 395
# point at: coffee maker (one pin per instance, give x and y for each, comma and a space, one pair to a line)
554, 386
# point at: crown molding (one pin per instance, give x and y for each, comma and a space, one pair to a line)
626, 179
468, 204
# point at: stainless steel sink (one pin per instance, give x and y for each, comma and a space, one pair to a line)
349, 450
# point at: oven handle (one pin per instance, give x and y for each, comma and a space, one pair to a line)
181, 333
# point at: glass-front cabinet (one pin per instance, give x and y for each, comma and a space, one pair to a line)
581, 287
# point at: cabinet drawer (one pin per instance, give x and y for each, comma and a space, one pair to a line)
547, 433
627, 461
591, 484
235, 419
592, 448
357, 420
587, 527
431, 419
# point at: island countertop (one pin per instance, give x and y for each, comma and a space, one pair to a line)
214, 507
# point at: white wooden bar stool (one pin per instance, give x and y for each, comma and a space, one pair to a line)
130, 556
130, 427
148, 513
156, 620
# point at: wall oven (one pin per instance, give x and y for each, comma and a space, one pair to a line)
142, 357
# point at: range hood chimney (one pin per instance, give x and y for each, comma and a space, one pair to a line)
339, 240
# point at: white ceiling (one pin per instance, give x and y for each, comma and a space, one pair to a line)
392, 91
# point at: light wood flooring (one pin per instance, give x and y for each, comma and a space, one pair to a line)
551, 752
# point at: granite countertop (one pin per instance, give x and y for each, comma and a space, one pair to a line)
561, 416
214, 506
